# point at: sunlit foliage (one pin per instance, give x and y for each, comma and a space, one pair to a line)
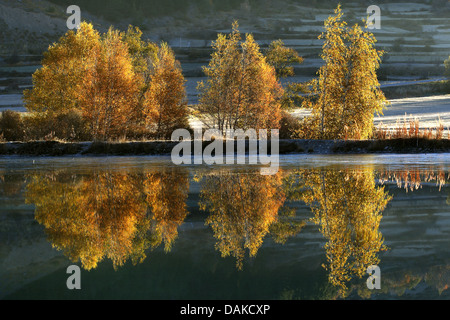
346, 95
122, 85
56, 86
166, 194
242, 90
166, 102
109, 91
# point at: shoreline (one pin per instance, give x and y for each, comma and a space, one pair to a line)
164, 148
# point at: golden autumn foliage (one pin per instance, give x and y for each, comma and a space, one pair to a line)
411, 179
347, 94
166, 103
89, 218
166, 194
124, 86
282, 58
348, 207
109, 91
109, 215
242, 90
242, 207
121, 215
57, 84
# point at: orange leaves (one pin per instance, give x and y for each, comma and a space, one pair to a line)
110, 215
166, 104
109, 90
242, 208
56, 85
166, 193
123, 86
348, 207
242, 89
90, 218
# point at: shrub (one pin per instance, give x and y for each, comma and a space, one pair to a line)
289, 126
68, 126
71, 126
12, 126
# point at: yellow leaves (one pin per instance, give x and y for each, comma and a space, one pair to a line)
166, 194
57, 84
242, 208
142, 52
107, 77
348, 207
242, 90
282, 58
166, 103
104, 215
109, 90
347, 88
119, 215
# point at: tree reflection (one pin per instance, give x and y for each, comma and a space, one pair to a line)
348, 206
121, 216
166, 194
11, 184
411, 179
110, 215
244, 208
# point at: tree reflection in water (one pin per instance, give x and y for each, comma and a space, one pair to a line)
347, 206
109, 214
243, 208
122, 215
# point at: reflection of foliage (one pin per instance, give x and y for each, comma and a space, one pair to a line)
286, 225
11, 184
347, 206
394, 284
346, 94
436, 277
89, 218
412, 179
167, 193
243, 207
439, 277
104, 215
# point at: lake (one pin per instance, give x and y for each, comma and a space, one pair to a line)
142, 228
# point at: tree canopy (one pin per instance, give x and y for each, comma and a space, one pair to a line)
346, 95
123, 86
242, 90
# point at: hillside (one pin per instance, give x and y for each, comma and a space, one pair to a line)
415, 35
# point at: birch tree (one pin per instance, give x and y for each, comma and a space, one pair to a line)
242, 90
346, 95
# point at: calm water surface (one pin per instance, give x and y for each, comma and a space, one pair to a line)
141, 228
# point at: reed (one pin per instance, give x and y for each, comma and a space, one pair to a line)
411, 129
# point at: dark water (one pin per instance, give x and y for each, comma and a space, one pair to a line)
141, 228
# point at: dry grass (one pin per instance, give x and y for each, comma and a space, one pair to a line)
411, 129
